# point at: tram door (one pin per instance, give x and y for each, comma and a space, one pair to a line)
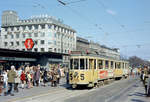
91, 68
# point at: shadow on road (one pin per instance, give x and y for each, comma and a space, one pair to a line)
138, 94
69, 87
136, 100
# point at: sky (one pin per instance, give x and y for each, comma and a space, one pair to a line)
123, 24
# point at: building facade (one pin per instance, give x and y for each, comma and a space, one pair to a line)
48, 33
86, 46
82, 44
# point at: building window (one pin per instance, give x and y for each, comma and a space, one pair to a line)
55, 35
11, 28
6, 29
30, 27
17, 35
42, 41
23, 42
54, 42
42, 34
17, 43
12, 36
35, 34
23, 35
36, 42
55, 49
43, 26
42, 49
54, 27
30, 35
17, 28
35, 26
35, 49
24, 27
5, 43
12, 43
49, 26
50, 49
5, 36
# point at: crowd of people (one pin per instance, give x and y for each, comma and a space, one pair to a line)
145, 78
28, 77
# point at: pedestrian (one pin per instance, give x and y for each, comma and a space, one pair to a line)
59, 74
145, 78
1, 84
29, 80
5, 79
37, 76
23, 79
45, 77
11, 80
54, 77
148, 85
17, 80
1, 69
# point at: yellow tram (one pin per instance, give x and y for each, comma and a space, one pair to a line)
91, 70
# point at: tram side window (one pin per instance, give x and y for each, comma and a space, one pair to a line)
106, 64
95, 64
100, 64
86, 63
123, 66
119, 65
112, 64
71, 64
76, 63
90, 63
82, 64
115, 65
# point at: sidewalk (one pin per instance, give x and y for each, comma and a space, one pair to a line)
138, 94
23, 93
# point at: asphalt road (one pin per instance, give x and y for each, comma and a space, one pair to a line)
109, 93
117, 91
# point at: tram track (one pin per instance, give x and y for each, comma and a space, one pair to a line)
104, 93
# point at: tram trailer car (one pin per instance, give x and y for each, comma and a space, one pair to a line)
92, 70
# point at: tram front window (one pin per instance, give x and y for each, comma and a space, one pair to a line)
82, 64
71, 64
76, 63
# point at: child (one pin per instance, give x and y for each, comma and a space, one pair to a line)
29, 80
23, 79
5, 81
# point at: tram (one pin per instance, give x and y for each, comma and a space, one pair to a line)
91, 70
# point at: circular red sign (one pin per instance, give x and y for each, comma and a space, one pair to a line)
29, 44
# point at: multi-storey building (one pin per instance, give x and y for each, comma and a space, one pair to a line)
48, 33
82, 44
85, 46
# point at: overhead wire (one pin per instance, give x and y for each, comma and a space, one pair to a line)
106, 8
65, 4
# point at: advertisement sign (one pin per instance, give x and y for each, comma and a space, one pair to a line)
29, 44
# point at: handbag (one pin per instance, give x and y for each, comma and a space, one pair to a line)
17, 80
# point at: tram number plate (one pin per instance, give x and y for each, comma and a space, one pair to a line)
82, 76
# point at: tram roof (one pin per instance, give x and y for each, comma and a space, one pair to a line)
94, 55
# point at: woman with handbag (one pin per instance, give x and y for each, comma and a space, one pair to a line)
17, 81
